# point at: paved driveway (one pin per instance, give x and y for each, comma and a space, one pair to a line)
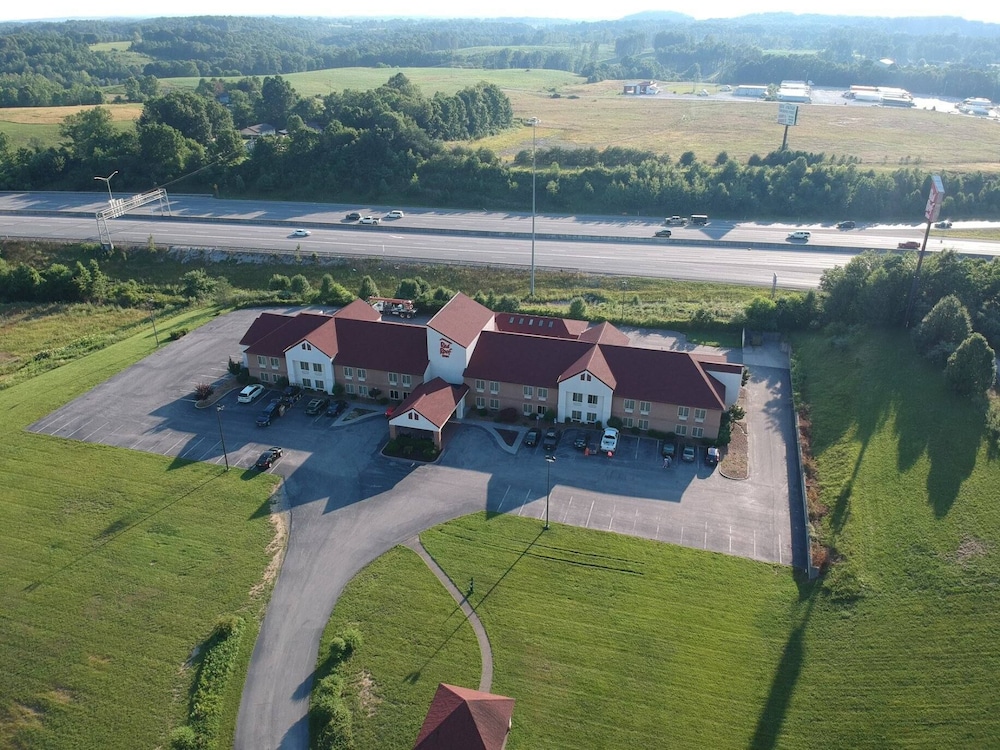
348, 505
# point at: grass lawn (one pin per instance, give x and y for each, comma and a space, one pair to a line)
27, 125
114, 565
612, 642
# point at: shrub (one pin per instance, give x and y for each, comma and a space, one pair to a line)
737, 412
507, 415
972, 367
993, 421
615, 422
578, 308
203, 391
234, 367
183, 738
177, 333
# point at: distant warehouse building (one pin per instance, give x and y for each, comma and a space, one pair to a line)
794, 91
750, 90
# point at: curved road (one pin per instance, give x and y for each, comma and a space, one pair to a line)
722, 251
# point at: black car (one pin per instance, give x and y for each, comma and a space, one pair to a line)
551, 440
353, 216
531, 439
662, 233
317, 406
336, 408
582, 440
271, 412
268, 458
291, 394
846, 225
945, 224
669, 449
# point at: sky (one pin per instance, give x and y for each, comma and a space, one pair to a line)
977, 10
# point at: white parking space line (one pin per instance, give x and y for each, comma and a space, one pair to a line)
170, 450
191, 447
779, 549
611, 520
755, 543
730, 540
568, 506
503, 499
682, 536
706, 535
95, 431
587, 525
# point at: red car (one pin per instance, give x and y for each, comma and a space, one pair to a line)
909, 245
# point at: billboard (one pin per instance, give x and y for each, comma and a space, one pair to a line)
935, 199
788, 114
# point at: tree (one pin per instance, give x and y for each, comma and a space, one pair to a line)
197, 284
578, 309
279, 283
368, 288
972, 367
300, 285
942, 330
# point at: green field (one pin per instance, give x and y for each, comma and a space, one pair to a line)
612, 642
115, 565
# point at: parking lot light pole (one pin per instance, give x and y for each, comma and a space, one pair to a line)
152, 317
549, 460
218, 415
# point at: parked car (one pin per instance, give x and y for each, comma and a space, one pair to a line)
250, 394
268, 458
390, 411
271, 412
689, 453
799, 234
846, 225
353, 216
336, 408
944, 224
291, 394
662, 233
371, 220
531, 438
669, 449
317, 406
909, 245
551, 440
609, 441
582, 440
301, 233
395, 214
712, 456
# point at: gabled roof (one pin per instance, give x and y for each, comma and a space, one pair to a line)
381, 345
605, 333
660, 375
539, 325
434, 400
592, 361
271, 334
358, 310
464, 719
529, 360
462, 319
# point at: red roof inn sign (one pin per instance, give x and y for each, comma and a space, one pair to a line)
445, 349
935, 199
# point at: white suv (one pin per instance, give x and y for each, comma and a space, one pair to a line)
609, 441
800, 234
251, 392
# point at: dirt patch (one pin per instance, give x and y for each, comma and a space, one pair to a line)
508, 436
735, 462
95, 660
970, 548
368, 700
61, 695
277, 545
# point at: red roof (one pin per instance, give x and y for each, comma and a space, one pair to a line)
434, 400
462, 319
540, 325
529, 360
380, 345
605, 333
668, 377
358, 310
464, 719
592, 361
271, 334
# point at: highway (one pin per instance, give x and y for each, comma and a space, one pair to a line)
722, 251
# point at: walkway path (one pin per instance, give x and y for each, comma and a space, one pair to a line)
486, 681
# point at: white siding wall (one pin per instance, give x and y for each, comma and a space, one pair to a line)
732, 383
403, 422
592, 387
446, 359
310, 354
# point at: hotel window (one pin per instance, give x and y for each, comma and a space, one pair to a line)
407, 380
480, 402
412, 415
682, 412
699, 415
591, 416
320, 385
263, 377
494, 386
526, 410
394, 395
577, 416
592, 399
630, 405
306, 347
304, 366
348, 373
306, 383
275, 363
697, 432
363, 391
543, 393
494, 404
393, 378
261, 360
540, 409
317, 367
681, 430
349, 389
480, 385
362, 374
643, 424
577, 398
644, 407
628, 422
529, 392
585, 376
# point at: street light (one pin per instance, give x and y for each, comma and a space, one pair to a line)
533, 122
549, 460
152, 317
218, 415
107, 181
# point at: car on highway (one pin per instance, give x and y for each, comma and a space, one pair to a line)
799, 234
909, 245
370, 220
689, 453
609, 441
250, 394
662, 233
336, 408
531, 438
291, 394
271, 412
675, 221
846, 225
395, 214
353, 216
301, 233
945, 224
317, 406
551, 440
268, 458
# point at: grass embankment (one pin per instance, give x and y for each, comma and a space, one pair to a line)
607, 641
115, 565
